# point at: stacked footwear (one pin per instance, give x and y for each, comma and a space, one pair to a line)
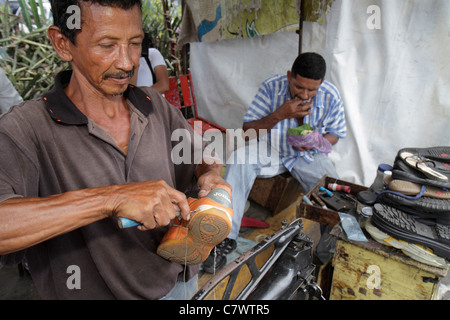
414, 251
415, 206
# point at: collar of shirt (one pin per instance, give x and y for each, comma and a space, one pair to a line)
63, 110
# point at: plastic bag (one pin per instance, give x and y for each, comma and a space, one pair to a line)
311, 140
351, 227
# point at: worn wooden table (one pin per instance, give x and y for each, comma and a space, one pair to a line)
373, 271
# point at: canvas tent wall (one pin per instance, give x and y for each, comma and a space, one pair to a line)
389, 59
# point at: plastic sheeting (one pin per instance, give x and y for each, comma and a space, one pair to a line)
213, 20
389, 59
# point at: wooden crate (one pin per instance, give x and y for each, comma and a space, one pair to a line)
321, 215
276, 193
373, 271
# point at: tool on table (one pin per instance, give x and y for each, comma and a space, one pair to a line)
319, 201
328, 192
339, 187
337, 200
335, 203
307, 201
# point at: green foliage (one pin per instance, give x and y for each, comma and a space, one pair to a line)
164, 30
27, 56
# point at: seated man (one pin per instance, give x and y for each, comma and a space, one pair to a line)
300, 97
92, 151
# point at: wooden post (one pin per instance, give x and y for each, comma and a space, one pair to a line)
185, 49
300, 31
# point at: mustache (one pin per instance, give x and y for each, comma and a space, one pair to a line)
120, 74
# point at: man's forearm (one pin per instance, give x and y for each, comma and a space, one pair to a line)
257, 128
205, 168
25, 222
331, 138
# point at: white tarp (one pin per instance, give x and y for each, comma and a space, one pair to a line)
389, 59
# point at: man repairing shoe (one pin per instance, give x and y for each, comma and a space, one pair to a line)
95, 149
301, 97
190, 242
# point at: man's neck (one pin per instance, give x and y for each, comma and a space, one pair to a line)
94, 103
110, 112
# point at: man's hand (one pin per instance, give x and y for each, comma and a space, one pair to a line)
303, 148
208, 181
153, 203
295, 108
331, 138
209, 176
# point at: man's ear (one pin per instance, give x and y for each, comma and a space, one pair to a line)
60, 43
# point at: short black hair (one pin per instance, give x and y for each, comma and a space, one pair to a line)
309, 65
61, 16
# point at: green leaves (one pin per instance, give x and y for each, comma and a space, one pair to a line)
30, 62
301, 131
28, 58
162, 19
26, 14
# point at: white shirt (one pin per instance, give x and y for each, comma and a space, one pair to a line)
144, 77
8, 94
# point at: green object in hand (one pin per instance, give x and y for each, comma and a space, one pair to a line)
303, 130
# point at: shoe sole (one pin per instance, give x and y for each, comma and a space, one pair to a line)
412, 189
415, 161
437, 153
206, 229
402, 171
426, 210
400, 225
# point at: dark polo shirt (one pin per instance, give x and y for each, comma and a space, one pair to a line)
47, 147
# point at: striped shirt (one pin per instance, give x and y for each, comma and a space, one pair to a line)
327, 116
